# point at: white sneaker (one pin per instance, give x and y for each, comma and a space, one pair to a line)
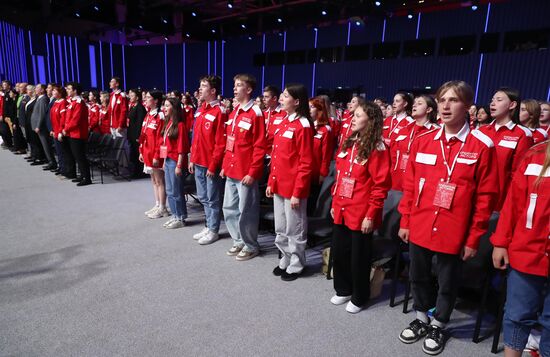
176, 223
158, 213
167, 223
151, 210
201, 234
352, 309
209, 238
339, 300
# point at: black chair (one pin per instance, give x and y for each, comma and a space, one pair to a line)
190, 186
321, 223
111, 161
101, 151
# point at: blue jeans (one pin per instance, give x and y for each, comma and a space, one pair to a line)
209, 192
241, 211
174, 186
527, 302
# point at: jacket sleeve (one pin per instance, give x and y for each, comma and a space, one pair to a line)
219, 142
327, 147
379, 171
93, 119
183, 140
158, 138
62, 116
71, 121
304, 144
515, 201
123, 112
485, 197
258, 149
409, 180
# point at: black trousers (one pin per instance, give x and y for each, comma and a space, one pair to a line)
5, 132
423, 287
78, 149
37, 152
136, 166
69, 167
19, 141
351, 261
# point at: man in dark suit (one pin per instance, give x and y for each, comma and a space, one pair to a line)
40, 127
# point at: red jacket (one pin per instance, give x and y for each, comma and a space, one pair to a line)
247, 126
449, 230
93, 117
539, 135
272, 120
208, 142
524, 224
335, 126
116, 109
372, 181
76, 120
2, 98
392, 125
58, 112
511, 142
151, 137
345, 129
188, 117
400, 150
292, 158
323, 147
178, 146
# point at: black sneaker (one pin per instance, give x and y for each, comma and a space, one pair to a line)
278, 271
289, 276
416, 330
434, 341
84, 183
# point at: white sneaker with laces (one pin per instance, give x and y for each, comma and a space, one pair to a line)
176, 223
167, 223
352, 308
159, 213
201, 234
148, 212
209, 238
339, 300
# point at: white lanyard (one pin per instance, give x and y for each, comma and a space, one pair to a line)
166, 132
410, 141
392, 128
351, 159
449, 169
233, 122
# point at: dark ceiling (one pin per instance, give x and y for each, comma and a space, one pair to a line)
125, 21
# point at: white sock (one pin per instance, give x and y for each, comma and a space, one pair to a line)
439, 324
157, 204
422, 316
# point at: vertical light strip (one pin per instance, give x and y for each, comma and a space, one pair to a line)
2, 57
487, 17
314, 64
263, 65
124, 67
23, 54
77, 64
11, 52
93, 66
349, 32
111, 55
478, 76
48, 55
184, 69
101, 65
208, 54
54, 60
33, 60
418, 25
548, 95
216, 57
283, 71
384, 31
72, 57
66, 57
61, 67
165, 70
223, 61
15, 52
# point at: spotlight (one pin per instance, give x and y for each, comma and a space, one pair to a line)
475, 4
77, 14
147, 41
96, 8
140, 27
410, 15
474, 7
279, 20
357, 23
131, 43
250, 38
164, 20
213, 31
243, 26
315, 29
377, 3
230, 4
165, 38
324, 13
187, 35
194, 14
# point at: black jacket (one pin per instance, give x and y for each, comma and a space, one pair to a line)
136, 115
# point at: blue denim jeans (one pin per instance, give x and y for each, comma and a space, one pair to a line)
174, 186
209, 192
527, 302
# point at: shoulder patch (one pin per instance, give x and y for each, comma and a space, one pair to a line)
525, 130
543, 132
78, 99
329, 129
257, 110
409, 119
483, 138
305, 122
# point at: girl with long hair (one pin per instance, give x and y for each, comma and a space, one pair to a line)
402, 108
529, 115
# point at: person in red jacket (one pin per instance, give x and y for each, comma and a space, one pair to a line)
117, 108
188, 113
511, 139
323, 149
544, 120
243, 166
76, 131
207, 149
362, 183
290, 181
345, 128
424, 113
149, 151
449, 192
522, 245
273, 113
529, 115
93, 111
402, 108
104, 123
174, 148
58, 113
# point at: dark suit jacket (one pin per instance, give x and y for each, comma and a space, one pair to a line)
136, 116
28, 112
21, 110
40, 112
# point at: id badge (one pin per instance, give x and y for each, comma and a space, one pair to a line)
404, 161
230, 143
346, 187
444, 194
163, 151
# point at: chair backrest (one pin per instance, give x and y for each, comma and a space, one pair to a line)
324, 201
390, 216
